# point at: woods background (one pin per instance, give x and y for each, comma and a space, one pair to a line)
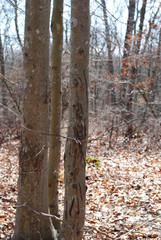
125, 55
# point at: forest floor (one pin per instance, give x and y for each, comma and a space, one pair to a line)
123, 188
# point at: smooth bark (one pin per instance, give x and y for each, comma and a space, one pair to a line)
33, 165
55, 141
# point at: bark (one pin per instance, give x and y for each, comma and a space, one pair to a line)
3, 87
55, 142
111, 87
139, 35
66, 33
16, 25
155, 72
133, 71
33, 165
108, 40
151, 26
127, 89
75, 151
128, 37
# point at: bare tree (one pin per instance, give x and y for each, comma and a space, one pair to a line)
75, 151
128, 36
108, 40
33, 164
141, 24
55, 142
16, 24
3, 87
128, 84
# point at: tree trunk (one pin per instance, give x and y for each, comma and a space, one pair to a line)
33, 165
3, 87
128, 84
108, 40
139, 35
128, 37
151, 26
16, 24
55, 142
75, 151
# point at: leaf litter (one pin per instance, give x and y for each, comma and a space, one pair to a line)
123, 198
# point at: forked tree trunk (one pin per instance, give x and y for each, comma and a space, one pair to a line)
55, 141
75, 151
33, 165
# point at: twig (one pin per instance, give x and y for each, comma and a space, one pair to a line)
142, 92
43, 147
109, 130
10, 92
9, 109
28, 207
55, 135
99, 231
136, 228
13, 5
38, 213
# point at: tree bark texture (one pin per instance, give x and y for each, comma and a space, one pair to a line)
128, 36
151, 25
75, 151
127, 83
108, 40
3, 86
139, 35
55, 141
33, 165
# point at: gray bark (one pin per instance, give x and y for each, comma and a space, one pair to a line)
75, 151
33, 165
108, 40
3, 86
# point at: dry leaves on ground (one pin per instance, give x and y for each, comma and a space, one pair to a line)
123, 191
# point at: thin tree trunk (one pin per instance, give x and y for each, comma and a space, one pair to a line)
133, 73
151, 25
55, 142
128, 37
111, 87
108, 40
3, 87
16, 25
127, 87
33, 164
76, 145
139, 35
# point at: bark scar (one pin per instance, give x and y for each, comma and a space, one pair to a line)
71, 207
